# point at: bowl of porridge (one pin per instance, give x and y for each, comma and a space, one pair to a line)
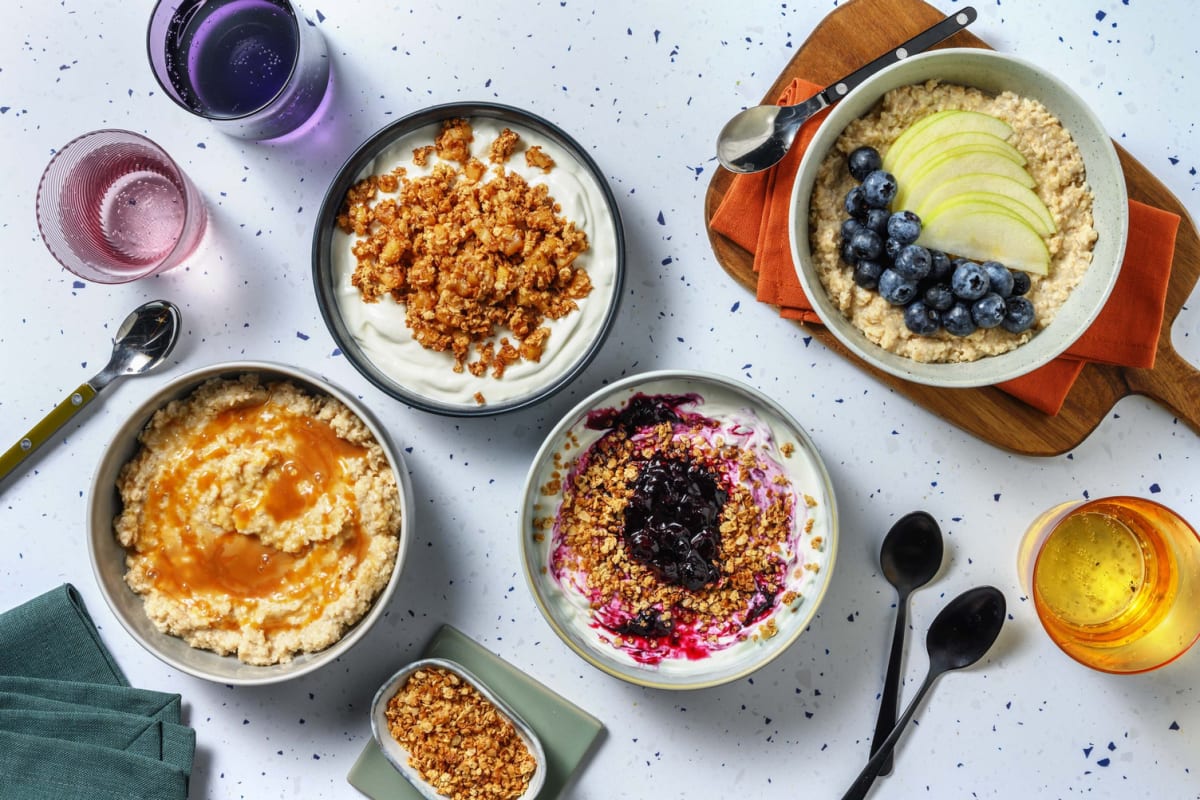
678, 529
468, 259
249, 522
959, 219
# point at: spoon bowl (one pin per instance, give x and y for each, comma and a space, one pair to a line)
910, 556
959, 636
143, 341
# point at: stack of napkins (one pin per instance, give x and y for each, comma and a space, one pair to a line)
71, 726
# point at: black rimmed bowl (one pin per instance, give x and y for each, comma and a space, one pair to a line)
375, 337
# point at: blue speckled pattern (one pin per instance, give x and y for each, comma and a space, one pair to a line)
644, 87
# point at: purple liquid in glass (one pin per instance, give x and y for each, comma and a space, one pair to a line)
233, 59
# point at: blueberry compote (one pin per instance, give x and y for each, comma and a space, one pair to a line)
672, 521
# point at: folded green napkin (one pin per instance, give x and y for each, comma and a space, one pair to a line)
70, 724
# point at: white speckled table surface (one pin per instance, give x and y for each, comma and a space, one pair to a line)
644, 87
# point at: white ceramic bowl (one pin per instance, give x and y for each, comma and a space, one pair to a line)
108, 556
992, 72
773, 434
374, 336
398, 755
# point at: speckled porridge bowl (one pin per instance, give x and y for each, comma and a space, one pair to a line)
992, 73
730, 477
377, 337
108, 556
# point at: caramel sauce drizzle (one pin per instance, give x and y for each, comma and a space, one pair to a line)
197, 567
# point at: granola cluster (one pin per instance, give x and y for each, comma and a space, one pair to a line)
650, 618
457, 740
470, 250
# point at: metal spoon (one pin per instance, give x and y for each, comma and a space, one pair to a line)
911, 555
760, 136
960, 635
143, 341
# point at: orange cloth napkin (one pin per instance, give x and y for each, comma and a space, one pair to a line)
754, 214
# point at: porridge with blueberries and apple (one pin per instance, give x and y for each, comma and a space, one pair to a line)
936, 304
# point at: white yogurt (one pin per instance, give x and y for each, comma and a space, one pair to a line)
387, 342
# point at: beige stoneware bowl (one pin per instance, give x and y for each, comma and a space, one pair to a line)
108, 556
994, 73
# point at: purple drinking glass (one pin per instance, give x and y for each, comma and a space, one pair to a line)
254, 68
113, 207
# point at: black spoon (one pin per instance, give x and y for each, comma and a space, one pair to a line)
911, 555
960, 635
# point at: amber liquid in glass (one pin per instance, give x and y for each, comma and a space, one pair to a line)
1105, 576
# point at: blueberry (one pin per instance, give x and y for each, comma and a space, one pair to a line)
866, 244
863, 161
847, 253
895, 288
877, 220
856, 203
939, 297
1020, 282
1018, 314
912, 262
879, 188
904, 226
969, 281
849, 226
988, 311
999, 278
958, 320
921, 319
866, 274
893, 247
939, 265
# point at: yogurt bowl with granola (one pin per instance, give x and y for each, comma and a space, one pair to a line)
678, 529
468, 259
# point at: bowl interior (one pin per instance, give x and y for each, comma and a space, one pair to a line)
108, 556
994, 73
398, 755
392, 360
817, 547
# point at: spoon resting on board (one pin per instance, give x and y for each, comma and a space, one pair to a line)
910, 556
960, 635
143, 341
760, 136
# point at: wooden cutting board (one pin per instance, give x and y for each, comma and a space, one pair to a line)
854, 34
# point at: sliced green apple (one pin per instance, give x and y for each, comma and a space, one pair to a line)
984, 201
987, 232
984, 183
950, 165
938, 125
913, 158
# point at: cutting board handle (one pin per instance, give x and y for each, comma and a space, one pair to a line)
1173, 382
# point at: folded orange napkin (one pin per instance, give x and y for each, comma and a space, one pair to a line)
754, 214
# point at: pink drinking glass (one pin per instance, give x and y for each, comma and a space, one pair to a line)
113, 207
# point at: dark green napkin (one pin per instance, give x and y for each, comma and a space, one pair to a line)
70, 724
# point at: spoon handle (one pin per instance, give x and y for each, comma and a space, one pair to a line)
41, 432
888, 701
862, 784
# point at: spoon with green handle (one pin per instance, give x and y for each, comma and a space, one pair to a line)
143, 341
960, 635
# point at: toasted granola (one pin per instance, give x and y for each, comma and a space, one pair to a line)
479, 261
457, 740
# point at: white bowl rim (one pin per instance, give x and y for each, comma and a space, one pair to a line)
120, 449
552, 440
1088, 298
